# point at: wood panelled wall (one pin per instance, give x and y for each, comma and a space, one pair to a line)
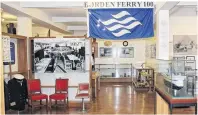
2, 105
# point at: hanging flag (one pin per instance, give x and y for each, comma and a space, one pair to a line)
120, 23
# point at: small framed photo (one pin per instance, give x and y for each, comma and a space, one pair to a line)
190, 59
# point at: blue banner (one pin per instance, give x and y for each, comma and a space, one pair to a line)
122, 23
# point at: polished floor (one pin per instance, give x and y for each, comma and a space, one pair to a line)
118, 98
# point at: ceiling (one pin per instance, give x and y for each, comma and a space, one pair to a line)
74, 15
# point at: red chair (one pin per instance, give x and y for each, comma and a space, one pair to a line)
61, 92
83, 93
34, 94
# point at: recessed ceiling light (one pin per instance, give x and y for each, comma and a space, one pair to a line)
2, 19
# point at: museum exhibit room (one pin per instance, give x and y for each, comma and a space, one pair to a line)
99, 57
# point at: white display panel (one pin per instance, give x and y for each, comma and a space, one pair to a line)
163, 35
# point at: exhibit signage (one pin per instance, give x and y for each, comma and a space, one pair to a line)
123, 4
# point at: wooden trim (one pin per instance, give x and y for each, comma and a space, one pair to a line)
56, 37
2, 102
31, 38
14, 36
74, 37
14, 72
53, 86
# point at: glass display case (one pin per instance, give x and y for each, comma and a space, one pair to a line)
176, 78
114, 70
144, 77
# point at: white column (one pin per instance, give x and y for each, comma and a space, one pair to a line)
24, 28
163, 35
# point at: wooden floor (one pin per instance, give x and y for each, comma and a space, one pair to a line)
119, 98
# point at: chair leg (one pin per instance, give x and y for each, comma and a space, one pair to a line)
56, 103
47, 105
40, 103
50, 105
83, 105
67, 102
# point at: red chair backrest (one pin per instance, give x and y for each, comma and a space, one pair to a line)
62, 85
34, 86
83, 86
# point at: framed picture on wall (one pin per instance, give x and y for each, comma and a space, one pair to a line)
105, 52
185, 44
59, 55
126, 52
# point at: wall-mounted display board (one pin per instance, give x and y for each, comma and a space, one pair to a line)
185, 44
126, 52
122, 52
105, 52
59, 55
11, 53
17, 53
6, 49
71, 55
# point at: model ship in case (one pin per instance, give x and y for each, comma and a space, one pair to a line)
174, 81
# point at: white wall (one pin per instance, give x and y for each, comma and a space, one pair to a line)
43, 32
80, 32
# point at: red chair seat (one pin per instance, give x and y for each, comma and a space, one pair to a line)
38, 96
82, 95
58, 96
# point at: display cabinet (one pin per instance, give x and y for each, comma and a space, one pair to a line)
176, 78
176, 83
144, 78
115, 71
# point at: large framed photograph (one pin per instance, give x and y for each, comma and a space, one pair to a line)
185, 44
64, 55
126, 52
105, 52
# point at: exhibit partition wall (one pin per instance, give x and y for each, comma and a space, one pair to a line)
67, 57
14, 55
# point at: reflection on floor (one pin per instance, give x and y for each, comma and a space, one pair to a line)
119, 98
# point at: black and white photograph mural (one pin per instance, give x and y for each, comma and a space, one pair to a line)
62, 55
185, 45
